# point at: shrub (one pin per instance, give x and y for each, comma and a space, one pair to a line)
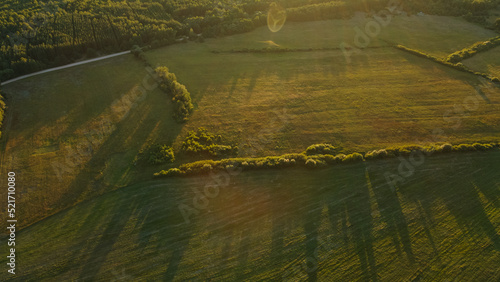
170, 172
136, 50
203, 142
320, 149
311, 163
378, 154
464, 147
159, 154
354, 157
446, 148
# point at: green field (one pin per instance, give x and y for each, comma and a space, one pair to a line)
265, 225
266, 103
91, 210
487, 62
437, 36
327, 99
55, 117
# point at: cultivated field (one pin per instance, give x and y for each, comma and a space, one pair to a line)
346, 222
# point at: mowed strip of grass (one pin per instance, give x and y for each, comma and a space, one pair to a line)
486, 62
347, 222
382, 98
76, 133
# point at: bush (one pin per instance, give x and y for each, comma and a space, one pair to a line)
159, 154
378, 154
354, 157
311, 163
320, 149
203, 142
446, 148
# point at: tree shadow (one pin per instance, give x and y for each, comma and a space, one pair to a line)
121, 211
356, 207
160, 225
390, 209
462, 198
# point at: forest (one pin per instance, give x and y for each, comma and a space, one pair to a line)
36, 35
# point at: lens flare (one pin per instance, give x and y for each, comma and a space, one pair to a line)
276, 17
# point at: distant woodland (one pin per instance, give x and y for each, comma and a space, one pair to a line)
35, 35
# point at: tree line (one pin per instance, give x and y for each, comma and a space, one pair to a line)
39, 34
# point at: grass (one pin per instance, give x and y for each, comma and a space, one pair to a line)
50, 120
442, 223
435, 35
487, 62
267, 104
326, 99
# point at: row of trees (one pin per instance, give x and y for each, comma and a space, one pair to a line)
181, 98
453, 7
36, 35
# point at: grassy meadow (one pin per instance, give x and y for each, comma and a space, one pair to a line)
342, 223
383, 95
78, 132
92, 211
487, 62
67, 138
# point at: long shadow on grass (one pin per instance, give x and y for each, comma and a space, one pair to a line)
88, 179
461, 197
355, 206
161, 229
455, 179
121, 212
390, 209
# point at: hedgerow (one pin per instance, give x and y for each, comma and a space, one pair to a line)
181, 98
316, 161
473, 50
430, 149
457, 66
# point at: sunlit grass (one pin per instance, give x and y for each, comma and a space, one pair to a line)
487, 62
439, 224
